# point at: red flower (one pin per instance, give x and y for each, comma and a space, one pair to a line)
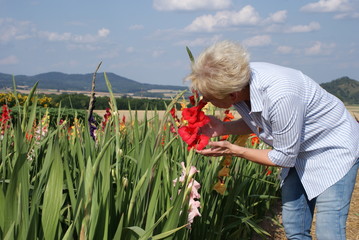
195, 117
255, 139
106, 116
5, 118
188, 134
200, 142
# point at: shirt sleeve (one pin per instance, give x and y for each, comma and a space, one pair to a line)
286, 116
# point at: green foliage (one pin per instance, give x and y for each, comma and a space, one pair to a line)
61, 184
65, 114
80, 101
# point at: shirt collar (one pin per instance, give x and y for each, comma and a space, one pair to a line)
256, 97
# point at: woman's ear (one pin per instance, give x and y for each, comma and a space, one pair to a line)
233, 96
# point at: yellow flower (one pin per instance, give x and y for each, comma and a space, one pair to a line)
183, 105
220, 187
224, 172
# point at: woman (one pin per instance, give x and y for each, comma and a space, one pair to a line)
313, 137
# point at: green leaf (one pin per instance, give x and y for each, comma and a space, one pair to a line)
139, 231
27, 103
2, 208
168, 233
190, 54
10, 233
53, 197
118, 233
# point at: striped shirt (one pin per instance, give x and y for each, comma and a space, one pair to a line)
308, 128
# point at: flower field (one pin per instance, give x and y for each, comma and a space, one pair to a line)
124, 178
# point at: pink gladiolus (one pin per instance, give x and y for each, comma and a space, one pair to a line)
193, 185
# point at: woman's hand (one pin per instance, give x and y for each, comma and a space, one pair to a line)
220, 148
225, 148
214, 128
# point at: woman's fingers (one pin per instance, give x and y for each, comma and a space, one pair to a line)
216, 149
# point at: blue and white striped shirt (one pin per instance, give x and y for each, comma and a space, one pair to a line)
308, 128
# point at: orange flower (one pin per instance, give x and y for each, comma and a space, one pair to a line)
220, 187
227, 161
229, 116
224, 172
254, 138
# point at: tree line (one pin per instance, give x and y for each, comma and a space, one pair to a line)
81, 101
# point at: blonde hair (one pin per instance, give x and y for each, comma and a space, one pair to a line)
221, 69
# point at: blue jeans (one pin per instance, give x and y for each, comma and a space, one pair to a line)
332, 208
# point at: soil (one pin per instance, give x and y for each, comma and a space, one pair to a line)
277, 232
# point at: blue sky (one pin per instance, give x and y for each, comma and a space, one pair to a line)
145, 40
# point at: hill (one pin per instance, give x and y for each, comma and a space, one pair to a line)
82, 82
345, 88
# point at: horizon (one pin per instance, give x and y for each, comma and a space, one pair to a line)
147, 42
345, 76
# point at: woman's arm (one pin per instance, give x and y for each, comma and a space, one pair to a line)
223, 148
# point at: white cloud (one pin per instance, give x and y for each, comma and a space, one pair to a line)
327, 6
83, 46
320, 48
70, 37
157, 53
205, 41
353, 15
130, 49
284, 49
304, 28
136, 27
9, 60
208, 23
257, 41
103, 32
189, 5
11, 29
277, 17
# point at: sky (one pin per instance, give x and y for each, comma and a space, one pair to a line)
146, 40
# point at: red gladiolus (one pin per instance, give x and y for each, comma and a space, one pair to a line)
194, 118
200, 142
188, 134
190, 114
5, 118
106, 117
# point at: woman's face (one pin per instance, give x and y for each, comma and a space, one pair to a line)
226, 102
229, 99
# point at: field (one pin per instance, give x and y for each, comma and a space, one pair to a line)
123, 179
353, 109
129, 178
275, 230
